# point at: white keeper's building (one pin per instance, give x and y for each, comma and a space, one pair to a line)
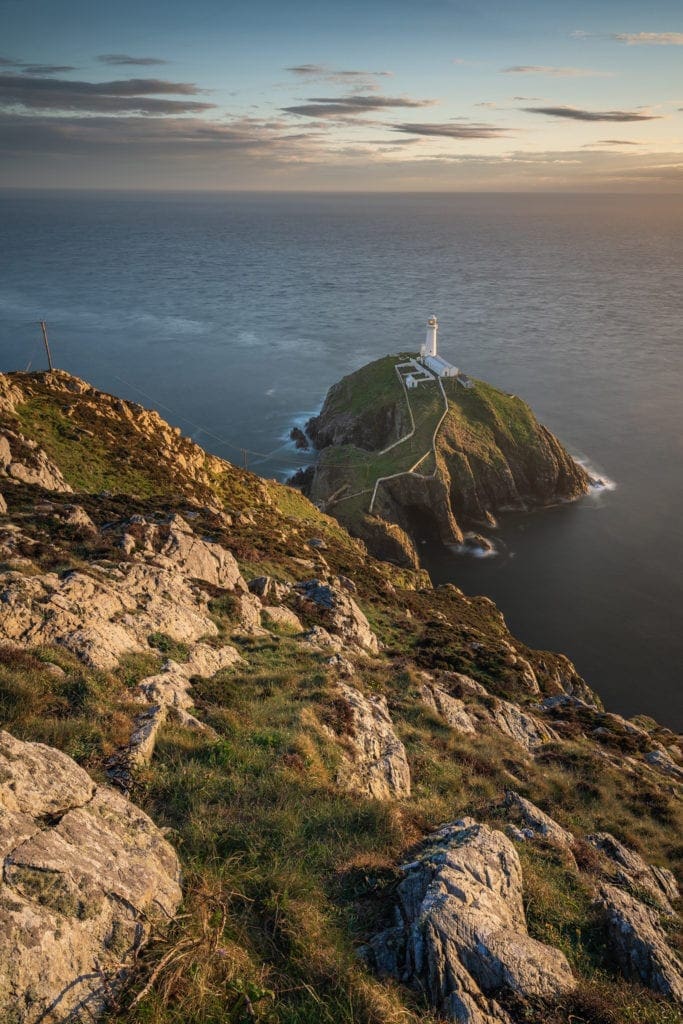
429, 355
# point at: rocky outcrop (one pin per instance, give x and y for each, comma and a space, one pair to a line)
374, 760
339, 613
85, 876
452, 709
102, 616
538, 822
529, 732
460, 935
280, 616
23, 460
638, 943
630, 870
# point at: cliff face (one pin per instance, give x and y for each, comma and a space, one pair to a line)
293, 722
490, 455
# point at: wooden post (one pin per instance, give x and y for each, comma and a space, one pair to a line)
245, 457
43, 327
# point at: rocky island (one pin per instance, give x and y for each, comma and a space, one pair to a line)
249, 772
454, 455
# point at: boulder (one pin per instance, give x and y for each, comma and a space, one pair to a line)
460, 934
540, 823
85, 876
451, 709
375, 761
204, 660
23, 460
520, 726
638, 943
663, 761
77, 518
340, 614
269, 588
281, 616
198, 558
631, 870
3, 506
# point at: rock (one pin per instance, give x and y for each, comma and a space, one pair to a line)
3, 506
23, 460
460, 935
280, 616
79, 520
101, 618
299, 438
197, 558
632, 870
538, 821
317, 636
638, 943
526, 730
663, 761
343, 666
375, 761
341, 615
451, 709
249, 610
85, 876
205, 660
269, 588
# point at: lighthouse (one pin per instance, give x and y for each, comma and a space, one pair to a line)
429, 353
430, 346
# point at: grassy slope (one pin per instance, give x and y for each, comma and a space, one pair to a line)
284, 874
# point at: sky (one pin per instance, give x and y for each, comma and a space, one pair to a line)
380, 95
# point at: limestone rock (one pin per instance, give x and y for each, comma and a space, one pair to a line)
663, 761
198, 558
632, 870
249, 610
538, 821
205, 660
317, 636
281, 616
79, 519
23, 460
85, 875
638, 943
375, 761
340, 613
3, 506
520, 726
460, 933
269, 588
100, 618
451, 709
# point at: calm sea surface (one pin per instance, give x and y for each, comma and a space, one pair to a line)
233, 314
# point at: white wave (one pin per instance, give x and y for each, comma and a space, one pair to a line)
601, 482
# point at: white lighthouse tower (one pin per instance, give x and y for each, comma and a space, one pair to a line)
430, 346
429, 353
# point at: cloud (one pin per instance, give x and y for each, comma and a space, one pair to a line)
126, 96
35, 69
124, 60
452, 130
554, 72
350, 77
350, 106
650, 38
615, 142
575, 114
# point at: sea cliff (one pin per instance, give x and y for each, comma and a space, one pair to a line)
248, 772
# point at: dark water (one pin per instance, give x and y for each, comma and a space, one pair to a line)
233, 315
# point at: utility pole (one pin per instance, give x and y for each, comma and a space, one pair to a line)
245, 456
43, 327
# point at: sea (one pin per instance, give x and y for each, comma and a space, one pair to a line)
233, 313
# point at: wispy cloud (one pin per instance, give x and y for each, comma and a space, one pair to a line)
614, 142
134, 95
650, 38
350, 106
453, 130
576, 114
125, 60
350, 77
555, 72
35, 69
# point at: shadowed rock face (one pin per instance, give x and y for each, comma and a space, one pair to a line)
461, 932
85, 874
